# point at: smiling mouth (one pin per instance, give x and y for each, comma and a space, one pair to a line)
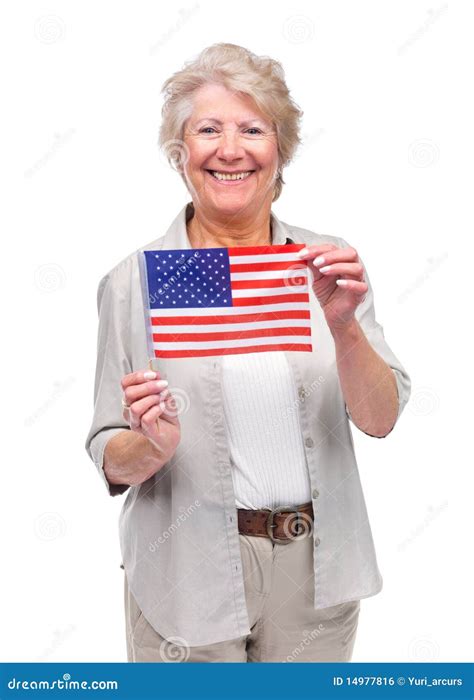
230, 178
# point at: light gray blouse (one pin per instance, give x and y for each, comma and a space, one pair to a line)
178, 530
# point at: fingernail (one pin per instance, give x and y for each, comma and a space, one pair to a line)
161, 383
325, 269
319, 261
149, 374
303, 251
342, 283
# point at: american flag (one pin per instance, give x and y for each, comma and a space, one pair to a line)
221, 301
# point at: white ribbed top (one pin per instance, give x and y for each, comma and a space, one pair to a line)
262, 422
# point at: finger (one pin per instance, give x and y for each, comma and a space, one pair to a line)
171, 408
139, 377
139, 408
353, 286
310, 251
338, 255
149, 420
343, 268
136, 392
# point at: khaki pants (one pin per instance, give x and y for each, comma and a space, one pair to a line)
284, 625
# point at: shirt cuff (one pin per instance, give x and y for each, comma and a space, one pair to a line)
96, 453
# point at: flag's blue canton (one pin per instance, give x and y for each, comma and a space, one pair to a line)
193, 277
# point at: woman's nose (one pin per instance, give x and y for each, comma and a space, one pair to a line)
229, 145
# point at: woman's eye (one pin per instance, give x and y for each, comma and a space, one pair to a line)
211, 130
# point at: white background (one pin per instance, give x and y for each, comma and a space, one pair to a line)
86, 186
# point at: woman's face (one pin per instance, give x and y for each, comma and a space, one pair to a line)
226, 133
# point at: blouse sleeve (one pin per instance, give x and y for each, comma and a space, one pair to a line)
113, 361
365, 314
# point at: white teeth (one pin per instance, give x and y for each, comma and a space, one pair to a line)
228, 176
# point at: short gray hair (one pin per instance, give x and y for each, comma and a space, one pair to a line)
236, 68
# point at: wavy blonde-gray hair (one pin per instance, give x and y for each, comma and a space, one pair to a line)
236, 68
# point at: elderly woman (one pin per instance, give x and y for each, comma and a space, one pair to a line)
244, 534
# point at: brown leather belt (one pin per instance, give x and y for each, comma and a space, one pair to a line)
281, 525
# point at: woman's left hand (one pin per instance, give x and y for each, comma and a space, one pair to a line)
338, 281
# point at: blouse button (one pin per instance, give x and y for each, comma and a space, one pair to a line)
309, 442
315, 493
317, 542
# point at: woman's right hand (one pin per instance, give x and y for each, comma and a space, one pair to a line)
148, 399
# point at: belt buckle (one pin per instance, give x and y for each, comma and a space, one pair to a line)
270, 524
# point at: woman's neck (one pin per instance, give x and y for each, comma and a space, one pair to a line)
204, 232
